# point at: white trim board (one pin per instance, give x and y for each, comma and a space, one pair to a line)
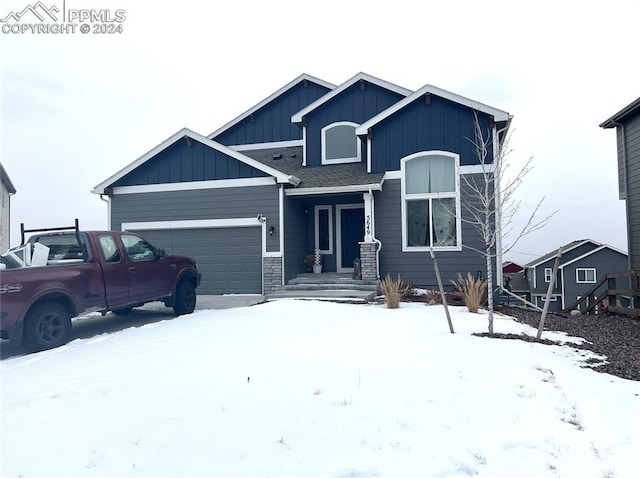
275, 144
356, 188
280, 177
195, 185
269, 99
499, 115
192, 224
297, 117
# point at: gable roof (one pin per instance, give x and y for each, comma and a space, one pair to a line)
269, 99
4, 177
297, 117
623, 115
566, 248
593, 251
499, 115
186, 132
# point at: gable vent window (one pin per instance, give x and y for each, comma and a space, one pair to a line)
340, 143
431, 201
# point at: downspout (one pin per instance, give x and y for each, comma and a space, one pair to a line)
373, 235
108, 209
498, 218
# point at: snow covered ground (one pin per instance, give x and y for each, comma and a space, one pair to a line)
307, 388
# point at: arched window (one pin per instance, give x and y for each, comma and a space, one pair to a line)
430, 201
340, 143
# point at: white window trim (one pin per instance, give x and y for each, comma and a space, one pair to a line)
578, 281
316, 216
456, 195
340, 160
548, 272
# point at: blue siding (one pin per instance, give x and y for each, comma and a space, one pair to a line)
272, 122
182, 162
353, 104
416, 267
439, 125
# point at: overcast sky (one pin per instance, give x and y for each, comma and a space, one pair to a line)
77, 108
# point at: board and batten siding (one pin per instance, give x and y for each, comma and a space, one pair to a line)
272, 122
632, 149
354, 104
188, 160
438, 124
203, 204
416, 268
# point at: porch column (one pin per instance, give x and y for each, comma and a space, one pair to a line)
369, 247
272, 273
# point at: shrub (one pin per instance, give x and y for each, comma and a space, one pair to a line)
473, 290
392, 290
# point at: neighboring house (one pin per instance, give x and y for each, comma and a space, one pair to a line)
583, 263
515, 281
6, 191
366, 169
627, 124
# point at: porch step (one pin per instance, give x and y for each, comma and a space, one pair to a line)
328, 286
329, 278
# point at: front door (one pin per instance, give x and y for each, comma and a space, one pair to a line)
350, 233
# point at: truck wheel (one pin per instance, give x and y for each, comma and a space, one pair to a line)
47, 326
123, 311
185, 298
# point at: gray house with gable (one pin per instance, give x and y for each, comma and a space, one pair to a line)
366, 169
582, 264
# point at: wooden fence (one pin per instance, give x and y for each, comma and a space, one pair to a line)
622, 295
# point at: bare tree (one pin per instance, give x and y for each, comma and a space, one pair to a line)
490, 203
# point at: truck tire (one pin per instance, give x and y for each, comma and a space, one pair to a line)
185, 302
48, 325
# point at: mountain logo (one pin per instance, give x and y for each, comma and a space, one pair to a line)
38, 10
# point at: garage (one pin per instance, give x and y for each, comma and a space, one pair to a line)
229, 258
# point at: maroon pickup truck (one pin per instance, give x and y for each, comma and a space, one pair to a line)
59, 275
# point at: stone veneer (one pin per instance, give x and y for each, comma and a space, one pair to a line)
368, 264
272, 271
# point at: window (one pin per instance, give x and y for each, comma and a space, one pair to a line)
109, 249
137, 248
430, 201
324, 229
547, 274
340, 143
587, 276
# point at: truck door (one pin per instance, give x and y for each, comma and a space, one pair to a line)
149, 275
114, 271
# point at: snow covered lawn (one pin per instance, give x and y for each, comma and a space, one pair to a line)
307, 388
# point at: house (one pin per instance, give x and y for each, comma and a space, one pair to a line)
515, 281
6, 191
363, 170
627, 125
583, 263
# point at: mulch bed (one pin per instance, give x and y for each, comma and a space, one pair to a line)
617, 337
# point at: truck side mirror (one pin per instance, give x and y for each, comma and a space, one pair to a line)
160, 253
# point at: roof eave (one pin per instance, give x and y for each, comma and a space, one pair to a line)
629, 110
